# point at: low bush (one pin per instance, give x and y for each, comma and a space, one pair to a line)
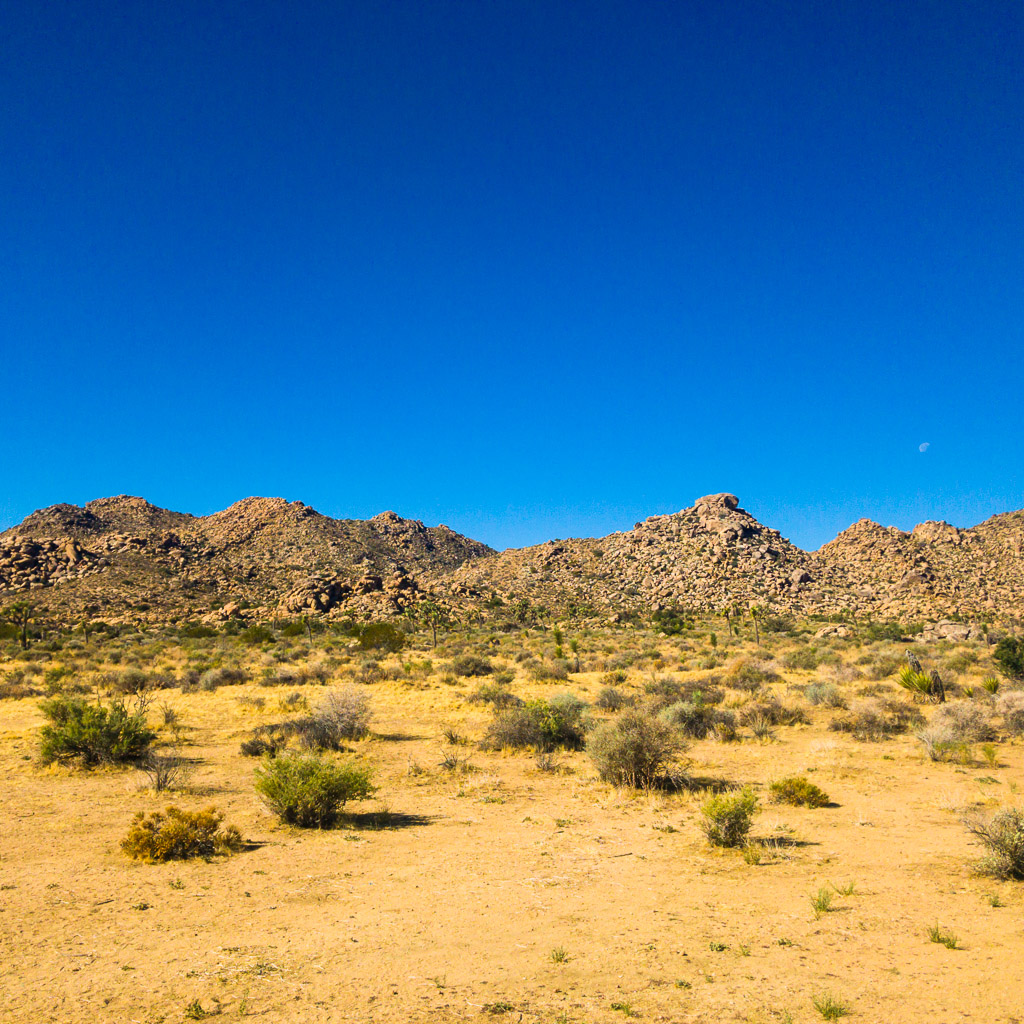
874, 720
344, 715
966, 722
256, 635
750, 674
726, 819
695, 719
381, 636
612, 699
471, 665
1003, 839
498, 695
1011, 706
799, 792
942, 744
805, 659
16, 690
637, 749
310, 791
1009, 656
772, 712
541, 724
826, 695
93, 733
179, 835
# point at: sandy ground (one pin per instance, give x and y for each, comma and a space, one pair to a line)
452, 909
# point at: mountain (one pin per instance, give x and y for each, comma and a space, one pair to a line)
715, 556
125, 558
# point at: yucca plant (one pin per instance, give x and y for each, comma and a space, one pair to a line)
917, 683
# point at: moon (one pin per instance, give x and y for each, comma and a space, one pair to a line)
924, 446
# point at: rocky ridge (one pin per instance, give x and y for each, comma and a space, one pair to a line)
122, 557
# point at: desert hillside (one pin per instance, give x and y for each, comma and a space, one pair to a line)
123, 558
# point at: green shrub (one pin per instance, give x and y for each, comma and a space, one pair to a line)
726, 819
1009, 656
179, 835
310, 791
826, 695
495, 693
750, 674
541, 724
696, 719
381, 636
93, 733
805, 659
799, 792
636, 749
471, 665
1003, 839
257, 635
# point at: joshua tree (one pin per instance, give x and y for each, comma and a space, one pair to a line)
19, 615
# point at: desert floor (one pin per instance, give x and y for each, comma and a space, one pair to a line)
453, 895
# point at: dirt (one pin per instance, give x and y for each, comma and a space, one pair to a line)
454, 895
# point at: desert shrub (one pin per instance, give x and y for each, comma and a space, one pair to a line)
961, 661
636, 749
225, 675
368, 671
310, 791
504, 677
166, 771
471, 665
556, 669
264, 740
1011, 706
695, 719
381, 636
498, 695
615, 678
132, 681
873, 720
296, 675
1009, 656
542, 724
825, 694
11, 690
93, 733
726, 818
881, 666
749, 674
179, 835
662, 691
344, 715
1003, 839
805, 659
799, 792
966, 722
256, 635
612, 699
773, 712
941, 743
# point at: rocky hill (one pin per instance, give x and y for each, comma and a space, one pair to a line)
715, 556
124, 558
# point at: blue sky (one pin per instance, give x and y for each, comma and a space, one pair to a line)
530, 269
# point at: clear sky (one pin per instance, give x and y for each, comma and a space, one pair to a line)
532, 269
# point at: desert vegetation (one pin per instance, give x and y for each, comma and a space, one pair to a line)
743, 797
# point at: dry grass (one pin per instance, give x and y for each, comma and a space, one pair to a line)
451, 891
